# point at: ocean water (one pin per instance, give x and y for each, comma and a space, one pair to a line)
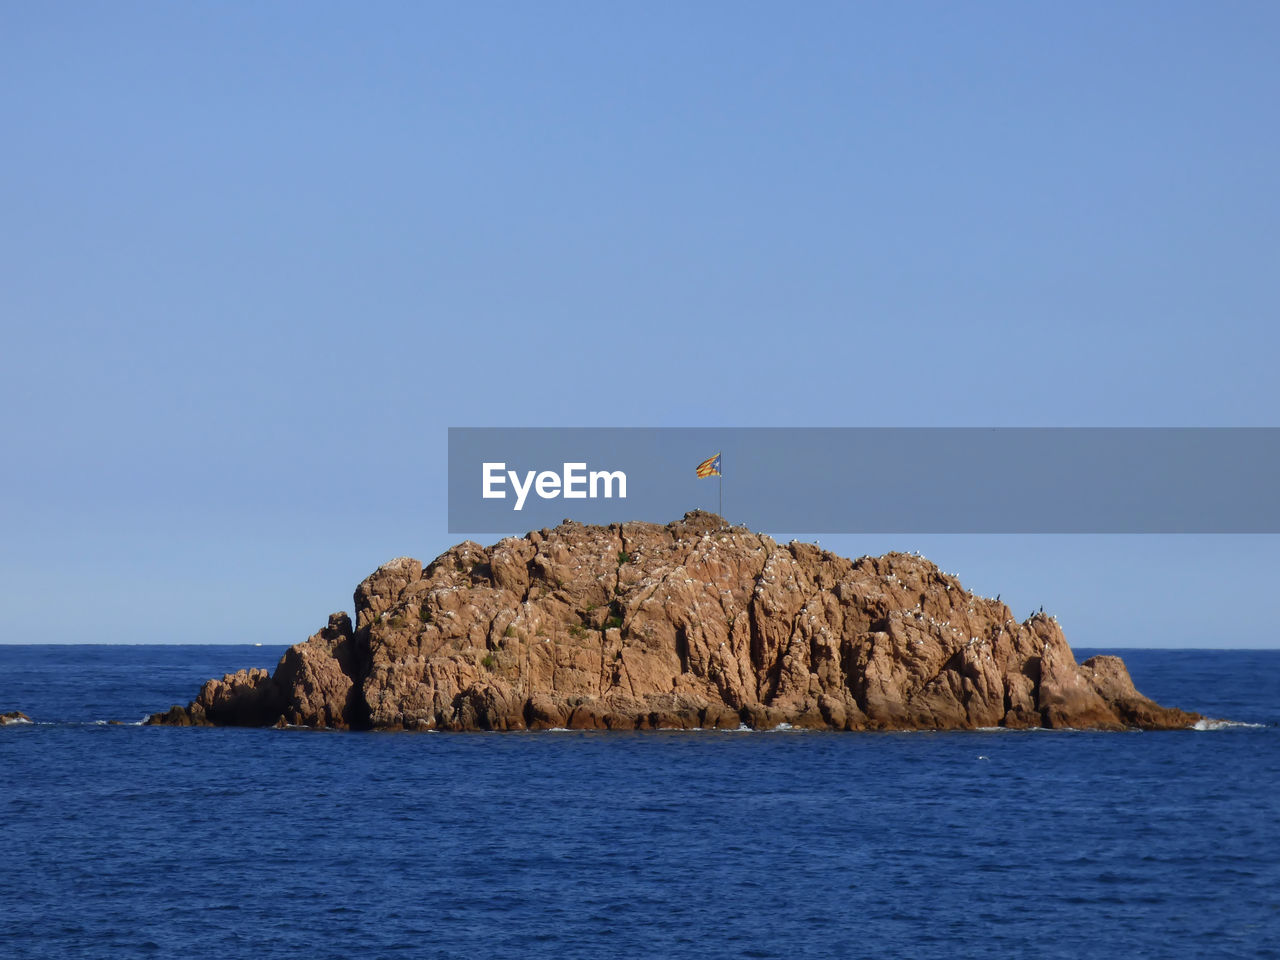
131, 841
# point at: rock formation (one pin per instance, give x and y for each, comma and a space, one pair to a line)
692, 624
13, 716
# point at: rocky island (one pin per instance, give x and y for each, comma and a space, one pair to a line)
693, 624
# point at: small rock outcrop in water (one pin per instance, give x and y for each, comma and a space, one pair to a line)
692, 624
13, 716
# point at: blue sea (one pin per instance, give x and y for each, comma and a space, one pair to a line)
131, 841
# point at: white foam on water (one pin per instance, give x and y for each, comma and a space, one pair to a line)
1225, 725
1016, 729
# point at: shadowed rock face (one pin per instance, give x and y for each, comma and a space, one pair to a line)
692, 624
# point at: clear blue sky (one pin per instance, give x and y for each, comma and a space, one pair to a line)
256, 258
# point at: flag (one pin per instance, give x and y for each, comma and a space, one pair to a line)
709, 467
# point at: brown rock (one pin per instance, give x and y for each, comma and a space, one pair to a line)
246, 698
1110, 679
13, 716
315, 678
692, 624
175, 716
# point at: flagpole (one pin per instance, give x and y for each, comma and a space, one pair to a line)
721, 486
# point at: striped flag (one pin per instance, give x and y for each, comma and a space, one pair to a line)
709, 467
